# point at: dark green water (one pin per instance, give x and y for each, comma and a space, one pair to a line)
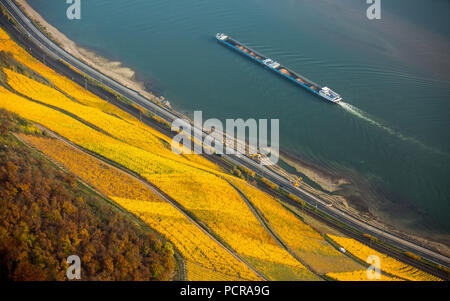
391, 137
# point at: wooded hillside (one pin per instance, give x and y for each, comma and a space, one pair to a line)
46, 216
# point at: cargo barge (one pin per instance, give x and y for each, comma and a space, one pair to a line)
323, 92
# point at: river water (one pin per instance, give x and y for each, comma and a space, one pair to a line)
390, 137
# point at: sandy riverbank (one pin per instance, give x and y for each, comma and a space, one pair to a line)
327, 182
332, 185
356, 200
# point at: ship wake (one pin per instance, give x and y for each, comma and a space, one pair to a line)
364, 116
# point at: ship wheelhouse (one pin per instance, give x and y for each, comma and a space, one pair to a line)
330, 94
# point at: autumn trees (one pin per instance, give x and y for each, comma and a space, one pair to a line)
45, 216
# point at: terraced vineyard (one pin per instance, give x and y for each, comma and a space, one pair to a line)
305, 242
179, 183
205, 217
81, 118
388, 264
229, 217
194, 245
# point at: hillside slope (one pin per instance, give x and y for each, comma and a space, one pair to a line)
46, 216
205, 217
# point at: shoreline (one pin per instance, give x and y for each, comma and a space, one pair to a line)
331, 184
328, 182
113, 69
340, 195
